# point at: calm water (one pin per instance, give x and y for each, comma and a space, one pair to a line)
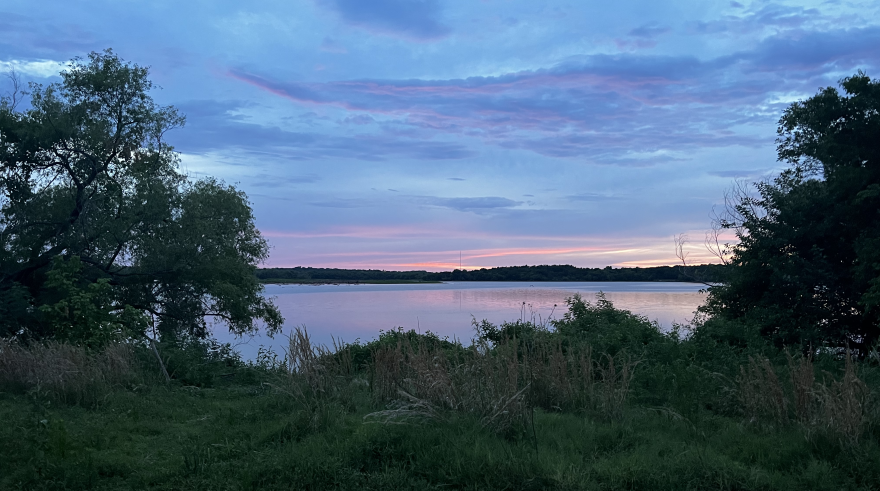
350, 312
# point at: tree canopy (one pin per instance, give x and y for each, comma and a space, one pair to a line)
101, 233
807, 266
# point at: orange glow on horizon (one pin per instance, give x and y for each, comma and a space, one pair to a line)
413, 254
444, 266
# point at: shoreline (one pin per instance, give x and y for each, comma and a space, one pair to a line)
273, 281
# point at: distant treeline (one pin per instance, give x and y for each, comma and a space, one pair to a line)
710, 273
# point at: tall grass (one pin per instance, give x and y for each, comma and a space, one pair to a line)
420, 376
68, 373
839, 406
589, 362
596, 361
599, 399
499, 382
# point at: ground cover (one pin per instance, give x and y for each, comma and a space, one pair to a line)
600, 400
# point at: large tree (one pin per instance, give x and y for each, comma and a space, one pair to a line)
101, 232
807, 267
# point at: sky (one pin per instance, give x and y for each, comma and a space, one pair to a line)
424, 134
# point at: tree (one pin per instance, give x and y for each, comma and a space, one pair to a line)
101, 232
807, 267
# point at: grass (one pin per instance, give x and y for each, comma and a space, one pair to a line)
601, 400
251, 438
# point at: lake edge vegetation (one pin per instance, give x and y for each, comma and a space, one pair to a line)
109, 378
599, 399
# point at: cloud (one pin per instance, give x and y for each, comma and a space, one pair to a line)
623, 109
482, 204
331, 46
769, 17
592, 197
414, 19
648, 31
455, 179
343, 203
275, 181
213, 125
577, 109
359, 119
741, 173
641, 37
812, 52
38, 68
25, 37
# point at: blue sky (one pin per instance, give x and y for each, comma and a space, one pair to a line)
393, 134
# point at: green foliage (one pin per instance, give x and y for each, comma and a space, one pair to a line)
241, 433
198, 362
100, 229
79, 311
704, 414
606, 328
807, 268
520, 331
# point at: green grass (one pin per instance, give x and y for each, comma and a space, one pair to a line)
699, 413
250, 436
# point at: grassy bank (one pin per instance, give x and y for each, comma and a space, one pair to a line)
599, 400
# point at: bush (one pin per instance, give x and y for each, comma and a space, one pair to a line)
199, 362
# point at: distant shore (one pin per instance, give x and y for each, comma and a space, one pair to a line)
277, 281
703, 273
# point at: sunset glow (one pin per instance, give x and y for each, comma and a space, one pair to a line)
508, 132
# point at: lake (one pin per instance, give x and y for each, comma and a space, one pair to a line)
350, 312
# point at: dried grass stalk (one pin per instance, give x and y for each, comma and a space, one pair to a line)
409, 410
500, 384
68, 373
760, 393
803, 386
837, 407
314, 373
844, 405
615, 377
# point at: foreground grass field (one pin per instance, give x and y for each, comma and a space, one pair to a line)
410, 411
253, 437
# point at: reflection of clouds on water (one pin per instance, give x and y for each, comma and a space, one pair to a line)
361, 311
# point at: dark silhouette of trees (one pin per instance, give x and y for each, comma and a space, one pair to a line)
807, 267
100, 233
712, 272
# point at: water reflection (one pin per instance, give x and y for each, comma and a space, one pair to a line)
360, 311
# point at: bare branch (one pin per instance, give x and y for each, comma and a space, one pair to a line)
740, 205
680, 241
687, 270
713, 241
18, 93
